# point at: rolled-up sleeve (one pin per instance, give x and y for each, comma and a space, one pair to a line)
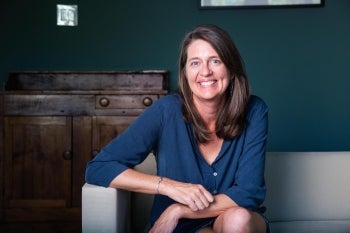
126, 150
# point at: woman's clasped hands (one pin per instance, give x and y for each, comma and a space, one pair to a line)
189, 197
195, 196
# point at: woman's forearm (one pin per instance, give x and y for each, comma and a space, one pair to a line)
168, 220
220, 204
195, 196
135, 181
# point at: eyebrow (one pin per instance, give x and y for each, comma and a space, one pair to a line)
197, 58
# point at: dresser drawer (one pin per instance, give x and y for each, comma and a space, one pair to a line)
124, 101
46, 104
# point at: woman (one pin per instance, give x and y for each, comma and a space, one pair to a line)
209, 142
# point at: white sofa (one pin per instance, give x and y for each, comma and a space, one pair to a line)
307, 192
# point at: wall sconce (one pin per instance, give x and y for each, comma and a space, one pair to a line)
67, 15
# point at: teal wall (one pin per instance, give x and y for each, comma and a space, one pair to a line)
297, 59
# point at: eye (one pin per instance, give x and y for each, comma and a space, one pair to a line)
194, 63
215, 61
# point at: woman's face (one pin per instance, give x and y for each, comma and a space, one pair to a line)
206, 74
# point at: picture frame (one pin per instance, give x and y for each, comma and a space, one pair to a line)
67, 15
217, 4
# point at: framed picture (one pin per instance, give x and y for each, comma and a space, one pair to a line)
259, 3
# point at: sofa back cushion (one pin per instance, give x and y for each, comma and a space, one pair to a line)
307, 185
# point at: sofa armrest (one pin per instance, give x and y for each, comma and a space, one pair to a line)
105, 210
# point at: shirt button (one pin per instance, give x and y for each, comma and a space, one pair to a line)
215, 192
215, 174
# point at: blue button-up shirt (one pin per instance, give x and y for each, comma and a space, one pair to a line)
238, 170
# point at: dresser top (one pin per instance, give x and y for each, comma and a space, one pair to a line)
150, 80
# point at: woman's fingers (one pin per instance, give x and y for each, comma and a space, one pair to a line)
195, 196
199, 198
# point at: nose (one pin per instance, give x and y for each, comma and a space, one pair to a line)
205, 70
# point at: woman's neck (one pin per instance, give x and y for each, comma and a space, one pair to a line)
208, 111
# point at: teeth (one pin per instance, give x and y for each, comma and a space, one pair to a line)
208, 83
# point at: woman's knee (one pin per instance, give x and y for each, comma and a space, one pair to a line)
236, 220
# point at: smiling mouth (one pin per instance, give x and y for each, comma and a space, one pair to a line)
207, 83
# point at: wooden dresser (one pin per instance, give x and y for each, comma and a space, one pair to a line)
52, 124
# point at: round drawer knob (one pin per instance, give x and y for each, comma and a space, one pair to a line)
104, 102
67, 155
147, 101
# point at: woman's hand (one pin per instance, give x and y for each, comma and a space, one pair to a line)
168, 220
195, 196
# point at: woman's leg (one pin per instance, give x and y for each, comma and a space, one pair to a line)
239, 220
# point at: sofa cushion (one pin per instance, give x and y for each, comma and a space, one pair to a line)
307, 186
333, 226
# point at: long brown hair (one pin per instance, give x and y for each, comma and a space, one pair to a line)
231, 119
